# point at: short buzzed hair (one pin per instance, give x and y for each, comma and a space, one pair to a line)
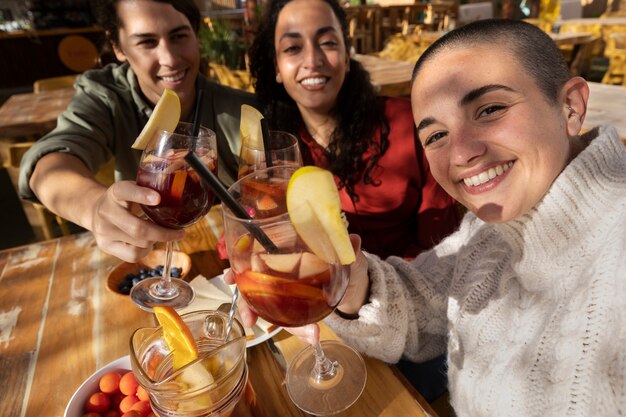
530, 46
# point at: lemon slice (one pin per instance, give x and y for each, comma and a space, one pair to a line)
315, 211
165, 116
250, 127
177, 336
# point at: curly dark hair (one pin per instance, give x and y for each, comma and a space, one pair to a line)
107, 18
358, 111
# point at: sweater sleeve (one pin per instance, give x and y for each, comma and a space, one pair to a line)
406, 314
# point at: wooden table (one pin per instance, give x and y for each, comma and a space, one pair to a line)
390, 78
607, 105
33, 114
59, 323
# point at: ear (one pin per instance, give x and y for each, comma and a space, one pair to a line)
575, 96
119, 54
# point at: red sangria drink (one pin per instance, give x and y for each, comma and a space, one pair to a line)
283, 150
185, 199
292, 276
291, 288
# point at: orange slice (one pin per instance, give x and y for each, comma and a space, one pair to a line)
177, 336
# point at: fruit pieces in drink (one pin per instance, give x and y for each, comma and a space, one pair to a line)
287, 289
264, 196
184, 351
165, 116
184, 197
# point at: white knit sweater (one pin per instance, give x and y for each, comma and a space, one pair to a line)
533, 311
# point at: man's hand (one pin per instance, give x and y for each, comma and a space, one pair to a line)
116, 224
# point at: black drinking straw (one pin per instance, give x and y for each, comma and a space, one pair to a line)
195, 127
265, 132
222, 193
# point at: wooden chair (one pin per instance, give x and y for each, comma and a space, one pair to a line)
238, 79
364, 28
54, 83
616, 52
52, 225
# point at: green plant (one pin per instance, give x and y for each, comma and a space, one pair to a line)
220, 44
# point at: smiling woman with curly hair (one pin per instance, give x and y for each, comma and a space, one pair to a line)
308, 85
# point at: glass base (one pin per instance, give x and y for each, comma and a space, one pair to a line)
145, 295
326, 396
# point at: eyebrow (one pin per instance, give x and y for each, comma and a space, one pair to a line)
467, 99
182, 28
320, 31
478, 92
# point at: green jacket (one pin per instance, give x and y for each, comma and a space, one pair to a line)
107, 114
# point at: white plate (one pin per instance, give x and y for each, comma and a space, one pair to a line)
76, 406
210, 294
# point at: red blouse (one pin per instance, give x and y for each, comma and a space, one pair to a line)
408, 211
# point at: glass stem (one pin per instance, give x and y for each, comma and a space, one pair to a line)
324, 369
164, 288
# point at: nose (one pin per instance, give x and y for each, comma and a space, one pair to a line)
167, 54
466, 147
312, 57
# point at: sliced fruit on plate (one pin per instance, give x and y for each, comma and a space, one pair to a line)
250, 127
165, 116
315, 211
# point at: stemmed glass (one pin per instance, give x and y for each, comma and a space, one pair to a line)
185, 199
290, 286
283, 150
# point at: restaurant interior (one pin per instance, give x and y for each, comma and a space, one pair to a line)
50, 43
45, 45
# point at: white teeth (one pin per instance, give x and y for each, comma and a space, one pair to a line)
313, 81
487, 175
174, 78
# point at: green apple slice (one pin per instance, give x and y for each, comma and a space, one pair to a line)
165, 116
315, 211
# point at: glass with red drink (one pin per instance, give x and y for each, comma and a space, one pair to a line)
288, 285
185, 199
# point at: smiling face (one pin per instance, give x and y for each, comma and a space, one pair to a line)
493, 141
311, 55
161, 47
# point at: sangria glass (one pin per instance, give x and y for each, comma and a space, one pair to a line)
185, 199
171, 395
291, 287
283, 150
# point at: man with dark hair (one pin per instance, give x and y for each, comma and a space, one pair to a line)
157, 45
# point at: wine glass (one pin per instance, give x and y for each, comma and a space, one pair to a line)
283, 150
288, 285
185, 199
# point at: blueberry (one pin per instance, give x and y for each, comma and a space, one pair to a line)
136, 281
125, 289
143, 275
143, 271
